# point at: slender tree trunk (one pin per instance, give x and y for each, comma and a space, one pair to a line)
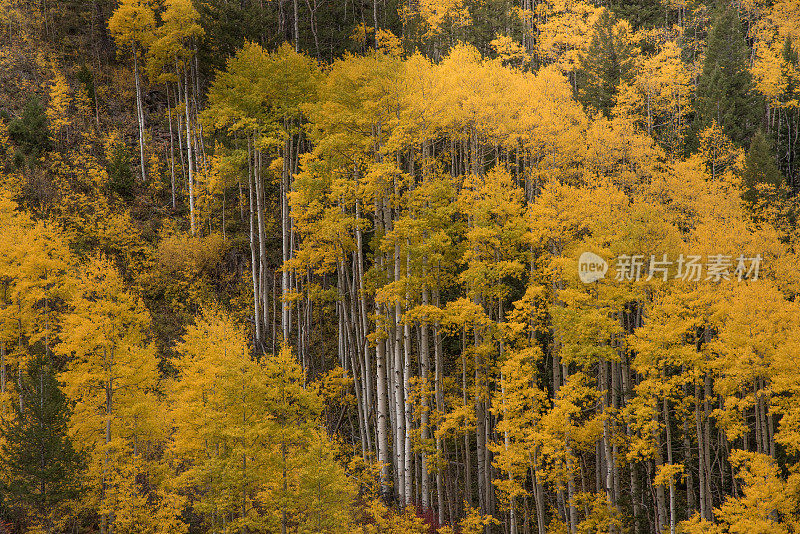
382, 394
179, 124
440, 472
296, 27
107, 520
572, 508
707, 447
189, 151
19, 348
512, 513
255, 266
467, 459
285, 244
262, 238
669, 462
538, 491
425, 415
362, 314
687, 459
171, 150
398, 388
139, 113
700, 455
406, 394
284, 518
480, 430
606, 441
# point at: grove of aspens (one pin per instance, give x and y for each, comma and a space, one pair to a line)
399, 266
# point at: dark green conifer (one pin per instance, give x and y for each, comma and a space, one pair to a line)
608, 61
39, 465
725, 90
29, 132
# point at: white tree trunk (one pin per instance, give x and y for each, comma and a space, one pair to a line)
399, 390
189, 152
285, 242
139, 113
424, 361
253, 262
382, 393
171, 150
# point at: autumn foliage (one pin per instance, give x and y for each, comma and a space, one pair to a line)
317, 280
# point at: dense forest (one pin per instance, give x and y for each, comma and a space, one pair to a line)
424, 266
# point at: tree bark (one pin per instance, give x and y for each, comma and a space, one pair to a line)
665, 406
382, 394
139, 113
189, 151
425, 414
171, 150
255, 266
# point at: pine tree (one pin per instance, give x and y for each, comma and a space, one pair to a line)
40, 465
760, 176
120, 175
30, 131
606, 62
642, 14
725, 90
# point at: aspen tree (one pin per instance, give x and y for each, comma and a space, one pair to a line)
173, 48
132, 26
112, 367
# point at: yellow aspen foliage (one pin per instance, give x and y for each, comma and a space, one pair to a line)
519, 407
136, 511
441, 15
379, 319
35, 265
388, 43
133, 22
112, 362
58, 107
659, 96
509, 51
767, 71
717, 150
765, 506
784, 16
173, 39
110, 376
384, 520
494, 235
475, 523
565, 32
248, 432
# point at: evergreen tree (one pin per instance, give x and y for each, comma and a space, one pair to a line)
725, 90
761, 178
40, 466
642, 14
29, 132
607, 62
120, 175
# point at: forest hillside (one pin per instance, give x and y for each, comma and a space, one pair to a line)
424, 266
